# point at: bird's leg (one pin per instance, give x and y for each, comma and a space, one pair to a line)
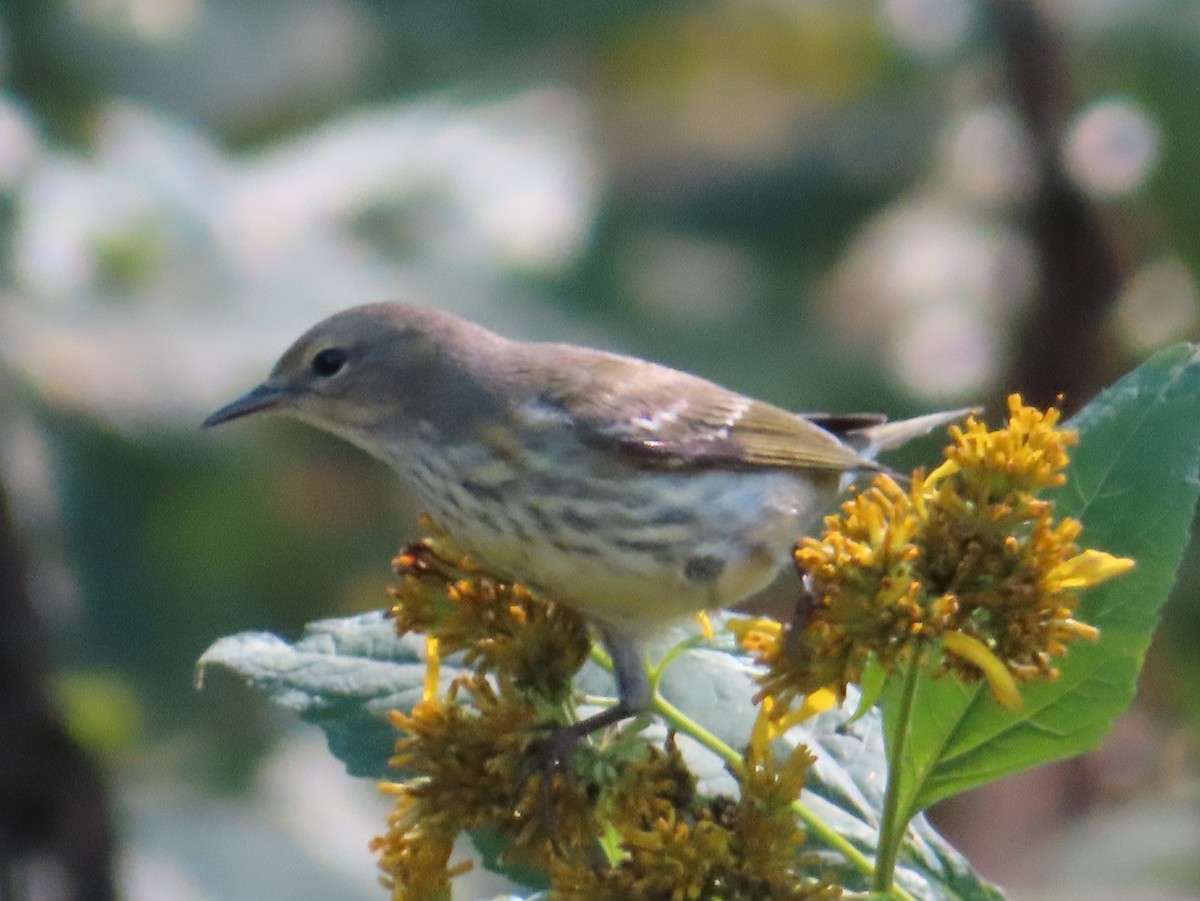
633, 697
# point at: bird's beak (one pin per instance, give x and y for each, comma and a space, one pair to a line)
265, 397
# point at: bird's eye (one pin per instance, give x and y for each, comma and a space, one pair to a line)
329, 362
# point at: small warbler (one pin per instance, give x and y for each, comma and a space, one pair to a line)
633, 492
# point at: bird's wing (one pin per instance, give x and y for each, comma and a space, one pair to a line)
669, 418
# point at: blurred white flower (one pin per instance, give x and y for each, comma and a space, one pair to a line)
945, 351
158, 275
987, 157
934, 288
18, 142
1111, 147
510, 184
28, 466
1159, 303
689, 281
65, 214
1084, 18
147, 20
928, 28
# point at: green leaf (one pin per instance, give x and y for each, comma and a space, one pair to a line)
344, 675
871, 685
491, 845
1133, 481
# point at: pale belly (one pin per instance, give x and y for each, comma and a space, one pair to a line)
636, 550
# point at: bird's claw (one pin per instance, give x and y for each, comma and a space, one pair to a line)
552, 757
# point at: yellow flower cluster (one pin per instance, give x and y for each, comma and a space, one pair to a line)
470, 769
499, 627
624, 821
677, 846
474, 765
967, 562
1026, 456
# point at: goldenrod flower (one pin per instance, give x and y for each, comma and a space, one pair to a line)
966, 568
625, 821
675, 845
470, 767
1028, 455
499, 627
414, 862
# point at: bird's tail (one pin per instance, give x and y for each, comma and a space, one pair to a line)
873, 439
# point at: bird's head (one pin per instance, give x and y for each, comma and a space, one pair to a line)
373, 372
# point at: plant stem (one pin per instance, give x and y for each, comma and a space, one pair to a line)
688, 726
893, 827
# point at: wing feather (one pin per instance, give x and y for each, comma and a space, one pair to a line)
664, 417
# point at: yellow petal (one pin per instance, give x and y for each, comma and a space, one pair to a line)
948, 468
818, 702
1088, 568
770, 725
706, 626
1004, 687
1075, 629
433, 668
743, 626
763, 732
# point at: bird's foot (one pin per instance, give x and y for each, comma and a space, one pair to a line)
551, 762
556, 754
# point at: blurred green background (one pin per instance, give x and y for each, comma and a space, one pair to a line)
832, 204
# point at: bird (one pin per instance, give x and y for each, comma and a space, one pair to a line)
635, 493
